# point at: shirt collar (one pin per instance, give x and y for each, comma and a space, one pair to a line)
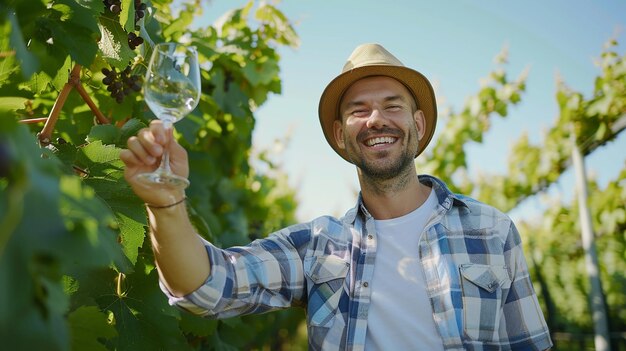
445, 197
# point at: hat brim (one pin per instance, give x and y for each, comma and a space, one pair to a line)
415, 82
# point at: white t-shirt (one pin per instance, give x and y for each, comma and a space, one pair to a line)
400, 316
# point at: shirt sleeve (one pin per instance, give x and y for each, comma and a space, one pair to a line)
263, 276
524, 325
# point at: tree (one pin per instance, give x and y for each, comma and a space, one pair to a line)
75, 269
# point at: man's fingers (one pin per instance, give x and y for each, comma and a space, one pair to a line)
158, 131
129, 158
145, 152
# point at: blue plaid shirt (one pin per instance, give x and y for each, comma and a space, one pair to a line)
477, 278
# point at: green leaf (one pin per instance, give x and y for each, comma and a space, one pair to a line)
130, 128
8, 64
107, 134
28, 62
106, 178
197, 325
87, 325
229, 96
600, 105
63, 74
113, 43
76, 33
89, 221
177, 27
127, 15
9, 103
143, 319
84, 13
261, 72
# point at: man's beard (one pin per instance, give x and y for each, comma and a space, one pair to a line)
389, 168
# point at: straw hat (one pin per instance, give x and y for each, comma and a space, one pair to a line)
374, 60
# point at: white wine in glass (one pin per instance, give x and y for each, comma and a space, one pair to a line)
171, 90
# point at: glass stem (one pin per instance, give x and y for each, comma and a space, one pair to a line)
164, 167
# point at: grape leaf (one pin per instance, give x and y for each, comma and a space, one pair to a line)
28, 62
107, 134
197, 325
87, 325
76, 33
113, 43
127, 15
90, 222
261, 72
106, 178
143, 318
11, 103
130, 128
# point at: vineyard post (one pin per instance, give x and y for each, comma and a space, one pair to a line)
602, 340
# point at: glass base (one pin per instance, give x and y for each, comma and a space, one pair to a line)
163, 179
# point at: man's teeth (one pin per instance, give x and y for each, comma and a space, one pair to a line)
380, 140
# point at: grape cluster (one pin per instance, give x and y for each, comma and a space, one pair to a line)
115, 6
122, 83
140, 10
134, 40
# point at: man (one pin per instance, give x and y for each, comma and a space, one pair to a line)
411, 267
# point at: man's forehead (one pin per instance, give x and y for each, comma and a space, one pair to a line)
378, 87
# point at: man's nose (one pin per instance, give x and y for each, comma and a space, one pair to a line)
377, 119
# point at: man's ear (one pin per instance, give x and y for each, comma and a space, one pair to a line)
338, 131
420, 123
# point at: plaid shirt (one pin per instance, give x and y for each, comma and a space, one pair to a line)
477, 278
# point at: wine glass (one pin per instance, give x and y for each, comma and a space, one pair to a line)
171, 90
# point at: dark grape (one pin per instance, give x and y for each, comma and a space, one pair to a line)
138, 41
134, 40
121, 84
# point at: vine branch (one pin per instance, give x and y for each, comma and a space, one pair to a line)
72, 82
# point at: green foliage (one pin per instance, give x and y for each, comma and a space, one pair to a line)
555, 250
76, 270
552, 242
447, 157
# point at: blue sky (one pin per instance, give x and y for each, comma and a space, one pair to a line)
453, 43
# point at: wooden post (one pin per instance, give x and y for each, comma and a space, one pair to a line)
602, 340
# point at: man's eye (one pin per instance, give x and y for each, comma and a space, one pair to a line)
360, 113
394, 107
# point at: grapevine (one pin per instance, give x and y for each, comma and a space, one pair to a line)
124, 83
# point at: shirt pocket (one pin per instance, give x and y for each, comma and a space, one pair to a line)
483, 288
327, 275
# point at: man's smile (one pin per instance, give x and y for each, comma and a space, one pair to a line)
380, 141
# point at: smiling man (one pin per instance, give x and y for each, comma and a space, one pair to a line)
411, 267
